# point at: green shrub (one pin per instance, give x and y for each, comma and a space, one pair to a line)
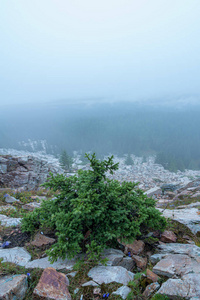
92, 212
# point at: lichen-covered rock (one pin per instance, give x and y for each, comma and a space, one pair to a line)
150, 289
176, 248
13, 287
52, 285
187, 287
176, 265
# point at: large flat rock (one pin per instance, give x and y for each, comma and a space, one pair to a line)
176, 265
13, 287
17, 255
44, 263
107, 274
188, 216
192, 251
187, 287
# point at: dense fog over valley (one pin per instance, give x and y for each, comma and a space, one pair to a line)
170, 131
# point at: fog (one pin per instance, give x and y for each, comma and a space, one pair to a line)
170, 132
98, 50
110, 76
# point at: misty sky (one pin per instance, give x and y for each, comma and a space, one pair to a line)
113, 49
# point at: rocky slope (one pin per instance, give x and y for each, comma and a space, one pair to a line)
27, 172
168, 263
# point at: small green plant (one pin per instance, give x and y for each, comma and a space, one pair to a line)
136, 289
160, 297
91, 212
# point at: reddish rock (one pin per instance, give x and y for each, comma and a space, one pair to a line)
151, 277
135, 248
150, 289
168, 237
141, 262
41, 240
52, 285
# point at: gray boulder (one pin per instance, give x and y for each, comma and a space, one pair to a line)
175, 265
13, 287
123, 291
107, 274
17, 255
44, 263
188, 216
187, 287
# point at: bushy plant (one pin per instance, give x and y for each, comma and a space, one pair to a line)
92, 212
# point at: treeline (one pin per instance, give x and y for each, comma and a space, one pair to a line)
174, 135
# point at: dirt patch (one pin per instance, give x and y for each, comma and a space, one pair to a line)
15, 237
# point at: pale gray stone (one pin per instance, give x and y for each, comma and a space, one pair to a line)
117, 258
17, 255
90, 283
76, 290
44, 263
72, 274
156, 257
13, 287
174, 288
107, 274
7, 221
153, 191
176, 265
114, 256
123, 291
10, 199
128, 263
187, 216
187, 287
175, 248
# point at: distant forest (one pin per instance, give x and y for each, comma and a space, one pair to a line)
172, 133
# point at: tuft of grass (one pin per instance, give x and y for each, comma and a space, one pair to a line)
160, 297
